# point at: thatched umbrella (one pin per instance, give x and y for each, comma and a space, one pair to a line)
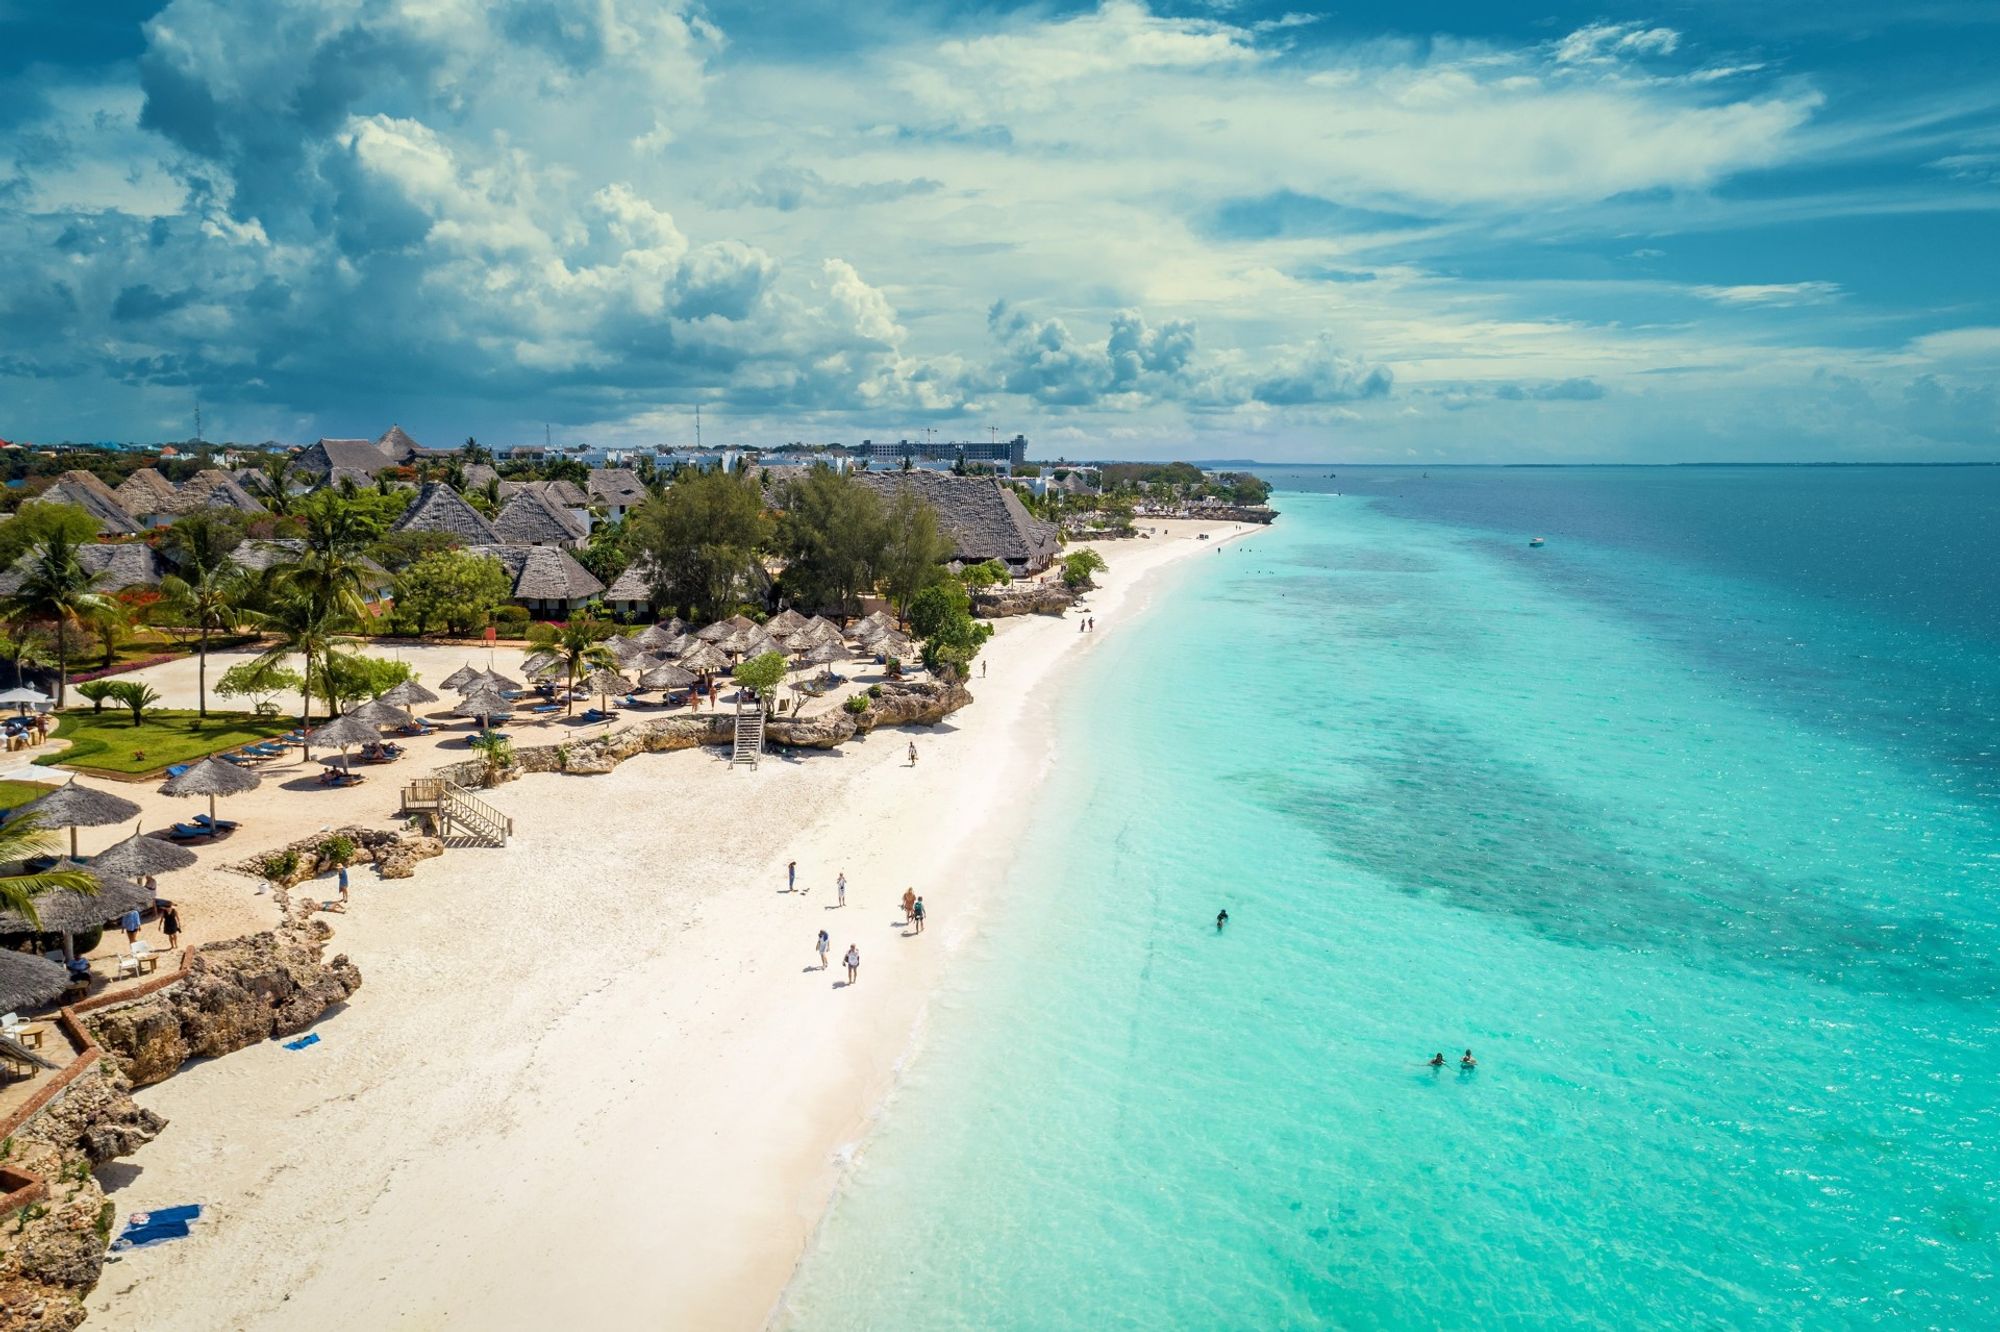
21, 1053
462, 678
496, 680
784, 624
27, 981
754, 644
678, 646
721, 629
71, 806
667, 675
379, 714
658, 636
541, 665
67, 912
625, 648
815, 631
408, 694
870, 627
903, 649
704, 657
604, 683
342, 732
211, 777
140, 855
822, 654
482, 704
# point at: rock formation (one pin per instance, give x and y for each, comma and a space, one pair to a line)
392, 853
1005, 599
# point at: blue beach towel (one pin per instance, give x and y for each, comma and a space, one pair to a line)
143, 1229
310, 1038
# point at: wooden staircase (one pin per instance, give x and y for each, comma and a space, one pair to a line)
749, 734
450, 806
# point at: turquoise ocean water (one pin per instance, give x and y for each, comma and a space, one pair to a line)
1685, 823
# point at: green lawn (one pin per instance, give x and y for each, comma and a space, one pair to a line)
107, 742
13, 795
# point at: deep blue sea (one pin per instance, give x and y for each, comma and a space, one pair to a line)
1687, 823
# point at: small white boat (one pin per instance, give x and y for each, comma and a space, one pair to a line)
1536, 541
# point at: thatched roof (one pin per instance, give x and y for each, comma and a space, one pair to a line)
545, 573
64, 910
258, 555
495, 680
538, 665
87, 492
603, 681
820, 654
559, 493
722, 629
139, 854
753, 644
667, 675
897, 646
28, 981
397, 446
532, 519
118, 565
408, 694
329, 460
482, 702
634, 584
784, 624
478, 474
344, 731
462, 678
211, 489
74, 806
983, 519
704, 657
817, 630
145, 492
439, 508
211, 777
624, 648
616, 487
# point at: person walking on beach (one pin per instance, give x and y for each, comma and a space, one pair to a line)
853, 961
170, 924
791, 876
917, 915
129, 922
840, 887
982, 670
343, 885
909, 903
820, 946
913, 753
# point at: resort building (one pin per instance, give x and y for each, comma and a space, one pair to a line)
118, 566
984, 519
617, 491
1005, 453
439, 508
330, 461
631, 593
531, 518
89, 493
546, 580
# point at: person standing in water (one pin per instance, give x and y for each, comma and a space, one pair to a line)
1437, 1060
1221, 919
1468, 1061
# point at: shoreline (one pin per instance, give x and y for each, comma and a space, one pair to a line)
613, 1051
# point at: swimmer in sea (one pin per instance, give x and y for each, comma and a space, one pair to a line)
1468, 1061
1221, 919
1437, 1060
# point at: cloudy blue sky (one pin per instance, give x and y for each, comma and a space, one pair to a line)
1706, 229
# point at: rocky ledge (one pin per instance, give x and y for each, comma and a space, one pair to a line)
1000, 601
236, 993
52, 1246
394, 855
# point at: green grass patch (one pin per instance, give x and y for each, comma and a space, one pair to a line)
13, 795
108, 742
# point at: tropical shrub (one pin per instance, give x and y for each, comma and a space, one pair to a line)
96, 691
134, 694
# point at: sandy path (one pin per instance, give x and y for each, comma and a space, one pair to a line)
598, 1072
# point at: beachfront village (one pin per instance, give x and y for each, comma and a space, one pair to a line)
245, 684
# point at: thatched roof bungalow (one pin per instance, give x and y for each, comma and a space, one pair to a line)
984, 519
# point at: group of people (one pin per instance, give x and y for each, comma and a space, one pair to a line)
914, 914
1087, 625
1464, 1061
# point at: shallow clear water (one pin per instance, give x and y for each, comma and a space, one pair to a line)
1685, 823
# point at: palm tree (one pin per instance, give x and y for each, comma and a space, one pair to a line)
273, 483
25, 648
22, 838
57, 590
311, 627
578, 646
207, 593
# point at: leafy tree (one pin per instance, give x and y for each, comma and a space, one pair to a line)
914, 552
452, 589
25, 647
833, 534
567, 469
259, 681
475, 452
348, 677
22, 839
310, 620
1078, 566
702, 536
577, 646
56, 590
941, 616
272, 485
987, 574
112, 623
136, 695
608, 553
763, 673
37, 522
207, 593
930, 608
397, 551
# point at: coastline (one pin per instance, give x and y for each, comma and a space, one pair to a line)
627, 1063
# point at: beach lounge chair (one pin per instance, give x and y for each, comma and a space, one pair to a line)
182, 832
543, 709
219, 825
178, 768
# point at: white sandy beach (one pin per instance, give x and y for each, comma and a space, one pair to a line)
598, 1073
